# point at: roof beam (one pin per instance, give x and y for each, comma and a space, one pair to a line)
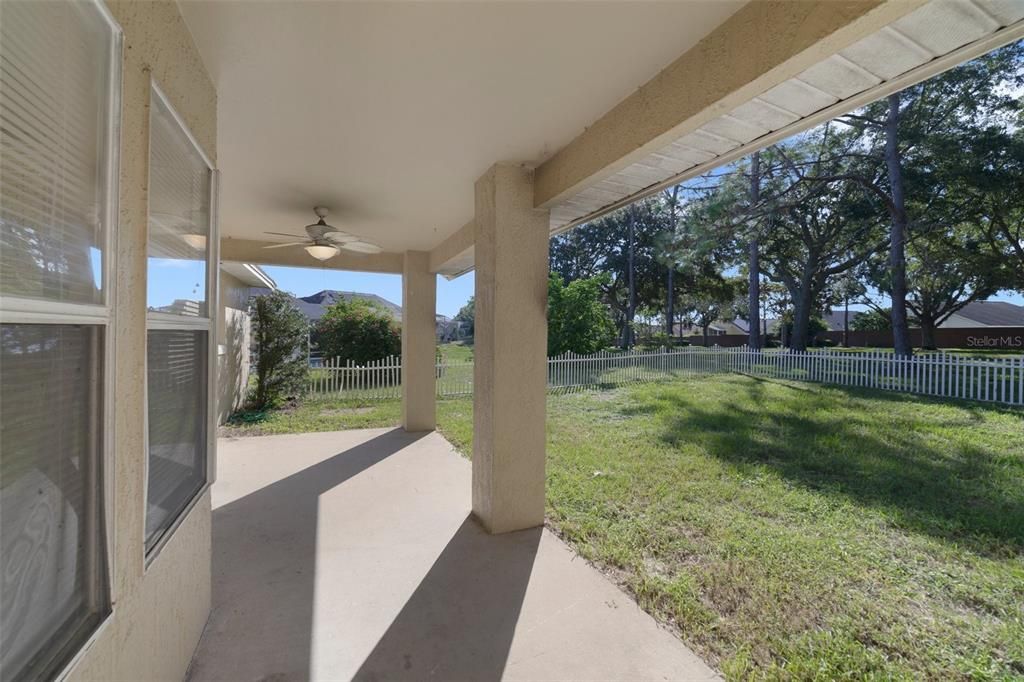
763, 44
454, 255
253, 251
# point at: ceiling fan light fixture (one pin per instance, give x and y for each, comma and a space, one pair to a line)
196, 241
322, 251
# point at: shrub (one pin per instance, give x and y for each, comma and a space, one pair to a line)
358, 331
577, 320
279, 337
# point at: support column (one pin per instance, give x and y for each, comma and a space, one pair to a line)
419, 342
510, 351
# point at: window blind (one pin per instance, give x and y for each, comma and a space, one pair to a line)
51, 541
55, 60
176, 394
179, 218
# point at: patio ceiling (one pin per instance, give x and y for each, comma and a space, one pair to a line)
388, 112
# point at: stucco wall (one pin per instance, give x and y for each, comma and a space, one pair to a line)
233, 337
159, 610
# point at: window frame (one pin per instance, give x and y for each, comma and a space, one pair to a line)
36, 311
166, 321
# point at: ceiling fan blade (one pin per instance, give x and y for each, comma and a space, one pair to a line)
283, 234
281, 246
339, 237
360, 246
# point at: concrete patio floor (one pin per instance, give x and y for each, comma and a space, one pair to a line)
353, 555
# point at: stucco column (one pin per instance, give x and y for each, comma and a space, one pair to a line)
510, 351
419, 342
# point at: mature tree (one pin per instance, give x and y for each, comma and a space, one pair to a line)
946, 271
900, 140
710, 300
847, 288
279, 333
816, 231
467, 315
989, 172
358, 331
603, 247
577, 319
874, 320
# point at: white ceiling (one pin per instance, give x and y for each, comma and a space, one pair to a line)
388, 112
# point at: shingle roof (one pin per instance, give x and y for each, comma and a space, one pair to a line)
315, 305
994, 313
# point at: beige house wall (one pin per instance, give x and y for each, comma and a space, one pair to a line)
234, 330
159, 610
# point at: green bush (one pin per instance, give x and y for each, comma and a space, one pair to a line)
279, 332
358, 331
577, 319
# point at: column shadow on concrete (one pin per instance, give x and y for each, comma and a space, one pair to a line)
459, 623
264, 563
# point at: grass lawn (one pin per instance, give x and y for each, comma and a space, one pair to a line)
794, 531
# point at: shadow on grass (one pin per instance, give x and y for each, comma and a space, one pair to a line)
954, 490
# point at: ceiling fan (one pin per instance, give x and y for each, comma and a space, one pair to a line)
324, 240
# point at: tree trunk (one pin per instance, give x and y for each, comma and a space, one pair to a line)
670, 294
631, 277
801, 317
754, 262
705, 330
670, 311
846, 323
897, 245
928, 333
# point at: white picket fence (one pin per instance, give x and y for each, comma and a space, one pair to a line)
996, 379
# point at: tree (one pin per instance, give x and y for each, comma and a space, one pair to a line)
279, 331
754, 259
990, 173
603, 247
577, 319
946, 271
467, 315
358, 331
818, 230
709, 300
874, 320
900, 141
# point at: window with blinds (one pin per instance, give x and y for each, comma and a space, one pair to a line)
51, 537
55, 79
179, 218
180, 326
176, 382
59, 109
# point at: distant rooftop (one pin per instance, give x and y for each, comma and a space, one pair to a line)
315, 305
994, 313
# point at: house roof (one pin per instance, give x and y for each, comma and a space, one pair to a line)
315, 305
994, 313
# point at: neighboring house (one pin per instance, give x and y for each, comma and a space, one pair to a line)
315, 305
238, 282
986, 314
717, 328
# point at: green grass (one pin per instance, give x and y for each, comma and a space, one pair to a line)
456, 351
794, 531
